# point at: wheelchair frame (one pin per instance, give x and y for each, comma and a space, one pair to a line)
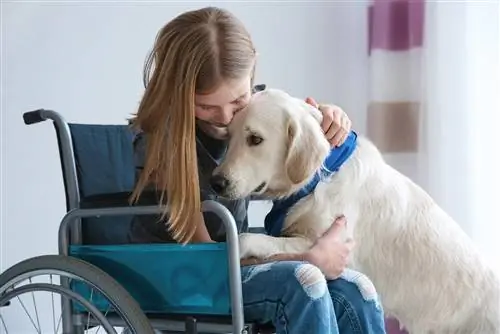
70, 234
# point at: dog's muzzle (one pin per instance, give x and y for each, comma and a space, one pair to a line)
219, 184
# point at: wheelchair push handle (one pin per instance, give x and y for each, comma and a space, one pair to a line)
35, 116
40, 115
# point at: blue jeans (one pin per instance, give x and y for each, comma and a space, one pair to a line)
297, 299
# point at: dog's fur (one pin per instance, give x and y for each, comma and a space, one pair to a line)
427, 271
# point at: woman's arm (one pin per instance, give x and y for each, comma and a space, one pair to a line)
201, 235
330, 253
252, 261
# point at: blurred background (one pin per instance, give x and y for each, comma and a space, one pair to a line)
420, 78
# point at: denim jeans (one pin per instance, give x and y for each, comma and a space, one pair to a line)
297, 299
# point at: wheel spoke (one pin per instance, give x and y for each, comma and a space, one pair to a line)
27, 313
59, 322
36, 310
53, 308
4, 325
105, 314
88, 315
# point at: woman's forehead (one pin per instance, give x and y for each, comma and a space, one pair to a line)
227, 92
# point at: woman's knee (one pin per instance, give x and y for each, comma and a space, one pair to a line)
359, 286
357, 303
311, 280
292, 294
307, 300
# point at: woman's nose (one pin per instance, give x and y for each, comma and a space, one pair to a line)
226, 117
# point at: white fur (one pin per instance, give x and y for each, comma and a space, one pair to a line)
427, 271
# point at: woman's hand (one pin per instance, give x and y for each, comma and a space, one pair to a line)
330, 253
251, 261
336, 124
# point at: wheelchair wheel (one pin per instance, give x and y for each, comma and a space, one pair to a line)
122, 310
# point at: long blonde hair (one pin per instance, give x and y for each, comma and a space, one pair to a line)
192, 54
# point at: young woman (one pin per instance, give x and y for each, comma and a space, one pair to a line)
199, 74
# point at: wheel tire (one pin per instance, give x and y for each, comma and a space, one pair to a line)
111, 289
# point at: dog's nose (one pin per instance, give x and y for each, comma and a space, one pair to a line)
219, 183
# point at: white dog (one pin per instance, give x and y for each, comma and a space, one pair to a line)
427, 271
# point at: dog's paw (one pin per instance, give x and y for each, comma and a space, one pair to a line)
256, 245
249, 245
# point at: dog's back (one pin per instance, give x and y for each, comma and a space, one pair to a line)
427, 270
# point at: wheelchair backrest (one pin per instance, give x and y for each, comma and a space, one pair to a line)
104, 161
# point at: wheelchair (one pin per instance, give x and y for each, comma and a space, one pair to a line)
104, 281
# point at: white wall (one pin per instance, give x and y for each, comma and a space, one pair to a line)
85, 61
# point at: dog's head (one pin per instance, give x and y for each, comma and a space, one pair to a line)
276, 145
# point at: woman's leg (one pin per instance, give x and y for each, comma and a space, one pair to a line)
292, 295
356, 304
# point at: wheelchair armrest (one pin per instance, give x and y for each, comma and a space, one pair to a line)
120, 199
256, 198
261, 230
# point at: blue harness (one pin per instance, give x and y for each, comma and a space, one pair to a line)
276, 217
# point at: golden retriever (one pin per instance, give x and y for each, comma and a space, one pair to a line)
427, 271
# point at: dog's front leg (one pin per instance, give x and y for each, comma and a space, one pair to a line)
263, 246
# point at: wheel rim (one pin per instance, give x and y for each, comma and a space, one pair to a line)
36, 287
95, 321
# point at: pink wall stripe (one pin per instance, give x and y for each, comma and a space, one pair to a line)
395, 24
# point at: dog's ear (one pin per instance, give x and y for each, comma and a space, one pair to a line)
307, 148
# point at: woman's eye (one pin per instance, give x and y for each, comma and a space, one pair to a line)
254, 140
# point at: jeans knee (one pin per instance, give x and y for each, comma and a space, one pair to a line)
292, 294
356, 293
360, 286
311, 280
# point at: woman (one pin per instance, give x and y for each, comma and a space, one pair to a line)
199, 74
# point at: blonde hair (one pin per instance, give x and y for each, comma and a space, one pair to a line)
192, 54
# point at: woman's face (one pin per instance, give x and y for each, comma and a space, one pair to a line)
215, 111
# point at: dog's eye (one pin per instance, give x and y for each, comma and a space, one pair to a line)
254, 140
